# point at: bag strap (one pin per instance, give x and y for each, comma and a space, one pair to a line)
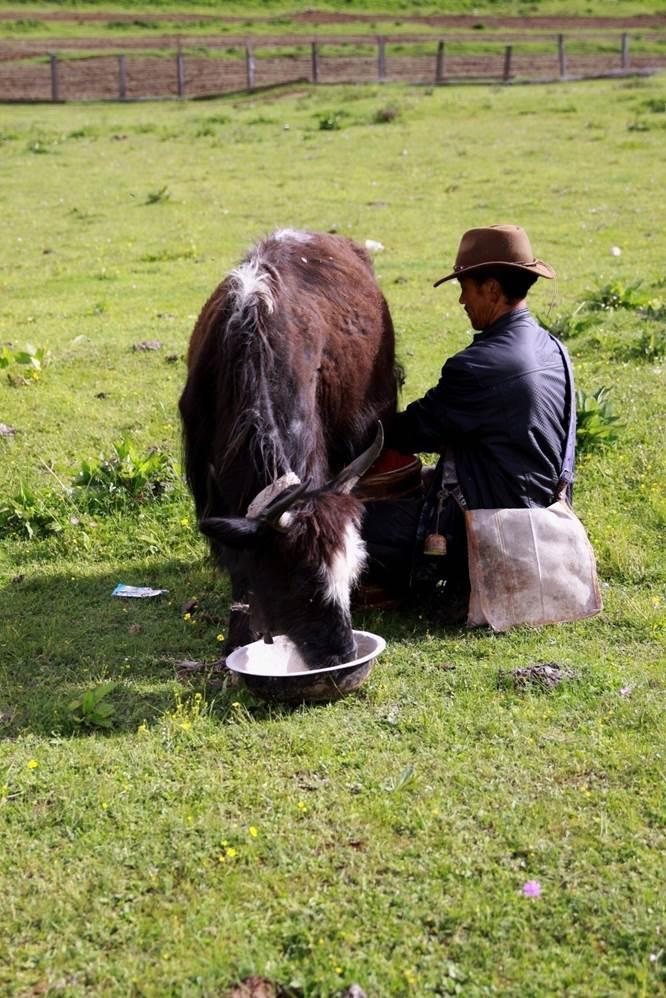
456, 493
565, 484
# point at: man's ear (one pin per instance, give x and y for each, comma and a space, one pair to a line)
495, 288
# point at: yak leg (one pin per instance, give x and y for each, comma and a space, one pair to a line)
239, 629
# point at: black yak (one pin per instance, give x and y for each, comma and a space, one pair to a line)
291, 365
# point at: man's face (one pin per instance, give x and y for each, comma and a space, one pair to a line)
479, 301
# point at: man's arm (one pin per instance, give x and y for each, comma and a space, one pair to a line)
454, 407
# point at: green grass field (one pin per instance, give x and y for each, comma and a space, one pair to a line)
23, 21
283, 8
384, 839
150, 17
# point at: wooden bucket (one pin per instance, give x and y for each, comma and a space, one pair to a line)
392, 476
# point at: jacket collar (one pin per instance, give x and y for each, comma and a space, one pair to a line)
511, 318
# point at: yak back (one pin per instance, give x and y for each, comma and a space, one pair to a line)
291, 363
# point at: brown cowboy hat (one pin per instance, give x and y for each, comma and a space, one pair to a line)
496, 246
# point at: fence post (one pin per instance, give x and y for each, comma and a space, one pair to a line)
180, 71
249, 67
562, 56
381, 59
440, 65
507, 63
55, 90
122, 78
625, 50
315, 63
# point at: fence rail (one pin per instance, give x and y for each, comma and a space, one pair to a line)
72, 75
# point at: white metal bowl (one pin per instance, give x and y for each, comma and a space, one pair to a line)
277, 671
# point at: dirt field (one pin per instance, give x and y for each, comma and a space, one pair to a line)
315, 17
25, 73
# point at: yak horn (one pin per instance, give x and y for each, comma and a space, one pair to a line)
272, 513
345, 480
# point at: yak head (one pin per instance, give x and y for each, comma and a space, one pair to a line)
299, 551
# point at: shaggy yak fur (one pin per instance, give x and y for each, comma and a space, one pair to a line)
291, 365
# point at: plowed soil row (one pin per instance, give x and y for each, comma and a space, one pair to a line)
314, 17
92, 79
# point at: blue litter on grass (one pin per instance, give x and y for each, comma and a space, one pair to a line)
136, 592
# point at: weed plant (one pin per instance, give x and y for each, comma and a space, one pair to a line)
30, 513
436, 833
651, 345
564, 325
331, 121
125, 474
92, 709
13, 361
614, 295
597, 423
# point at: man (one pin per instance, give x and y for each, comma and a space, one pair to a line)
498, 417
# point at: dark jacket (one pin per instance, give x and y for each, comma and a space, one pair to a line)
502, 405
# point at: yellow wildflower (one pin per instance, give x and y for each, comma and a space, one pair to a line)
185, 522
220, 637
187, 616
302, 806
33, 764
253, 831
231, 852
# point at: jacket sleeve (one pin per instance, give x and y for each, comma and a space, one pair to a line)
455, 407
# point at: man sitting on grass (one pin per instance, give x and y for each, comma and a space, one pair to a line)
498, 417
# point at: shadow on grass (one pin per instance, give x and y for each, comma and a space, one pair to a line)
63, 634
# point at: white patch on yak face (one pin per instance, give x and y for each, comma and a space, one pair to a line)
345, 568
250, 281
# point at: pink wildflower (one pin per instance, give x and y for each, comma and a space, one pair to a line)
532, 889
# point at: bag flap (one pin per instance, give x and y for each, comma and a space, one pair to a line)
530, 566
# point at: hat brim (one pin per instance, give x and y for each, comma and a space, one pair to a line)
538, 267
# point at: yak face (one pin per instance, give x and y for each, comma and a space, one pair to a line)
300, 569
300, 553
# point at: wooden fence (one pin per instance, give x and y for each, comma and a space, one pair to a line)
187, 72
